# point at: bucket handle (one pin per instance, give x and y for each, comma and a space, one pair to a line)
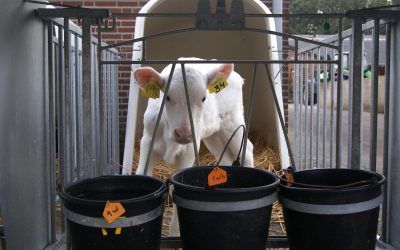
374, 180
156, 194
237, 161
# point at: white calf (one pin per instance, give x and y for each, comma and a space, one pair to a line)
215, 117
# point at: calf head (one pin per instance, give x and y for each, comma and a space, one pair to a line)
198, 80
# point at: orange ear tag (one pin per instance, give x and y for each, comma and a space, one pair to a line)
151, 90
289, 177
217, 176
218, 85
112, 211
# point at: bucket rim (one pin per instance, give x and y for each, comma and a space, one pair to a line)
156, 194
222, 190
342, 190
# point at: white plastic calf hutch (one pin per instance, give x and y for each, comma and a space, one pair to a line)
220, 45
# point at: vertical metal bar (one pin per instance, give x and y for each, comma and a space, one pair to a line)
356, 73
296, 114
301, 86
332, 120
100, 85
350, 105
311, 110
95, 114
280, 117
115, 122
159, 119
249, 108
67, 108
324, 120
104, 109
87, 80
339, 97
79, 126
305, 100
144, 50
196, 152
51, 132
109, 114
61, 117
385, 205
318, 76
67, 100
374, 97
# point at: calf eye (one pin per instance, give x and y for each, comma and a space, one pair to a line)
203, 99
168, 99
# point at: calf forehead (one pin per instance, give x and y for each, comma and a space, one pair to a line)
195, 81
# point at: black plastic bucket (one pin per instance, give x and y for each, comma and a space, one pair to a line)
143, 199
235, 215
344, 219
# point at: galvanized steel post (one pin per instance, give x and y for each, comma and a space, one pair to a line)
356, 75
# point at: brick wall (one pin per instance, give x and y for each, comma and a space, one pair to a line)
125, 31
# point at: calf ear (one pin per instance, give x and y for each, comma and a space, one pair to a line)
224, 70
145, 74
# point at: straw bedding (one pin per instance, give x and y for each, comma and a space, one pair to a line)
265, 157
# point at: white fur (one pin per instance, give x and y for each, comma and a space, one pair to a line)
215, 119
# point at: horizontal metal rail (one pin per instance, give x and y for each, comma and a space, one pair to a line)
334, 15
345, 34
220, 61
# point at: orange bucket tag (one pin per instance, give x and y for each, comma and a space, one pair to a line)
217, 176
289, 177
112, 211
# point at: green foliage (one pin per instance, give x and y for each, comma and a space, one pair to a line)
314, 25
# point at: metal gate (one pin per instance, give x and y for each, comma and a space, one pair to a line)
73, 125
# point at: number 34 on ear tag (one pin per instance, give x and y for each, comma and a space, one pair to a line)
151, 90
217, 176
218, 85
112, 211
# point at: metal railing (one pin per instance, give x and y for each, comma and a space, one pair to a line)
66, 113
302, 122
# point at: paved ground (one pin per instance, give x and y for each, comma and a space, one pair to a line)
365, 142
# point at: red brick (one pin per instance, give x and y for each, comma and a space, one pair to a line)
123, 106
126, 10
88, 3
124, 87
128, 23
115, 10
111, 36
126, 30
141, 4
73, 3
136, 10
127, 36
106, 4
123, 94
132, 4
124, 68
121, 80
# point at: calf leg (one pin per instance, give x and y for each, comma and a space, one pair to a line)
144, 151
185, 161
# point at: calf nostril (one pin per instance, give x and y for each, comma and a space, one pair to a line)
176, 133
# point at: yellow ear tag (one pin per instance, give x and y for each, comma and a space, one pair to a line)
218, 85
151, 90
